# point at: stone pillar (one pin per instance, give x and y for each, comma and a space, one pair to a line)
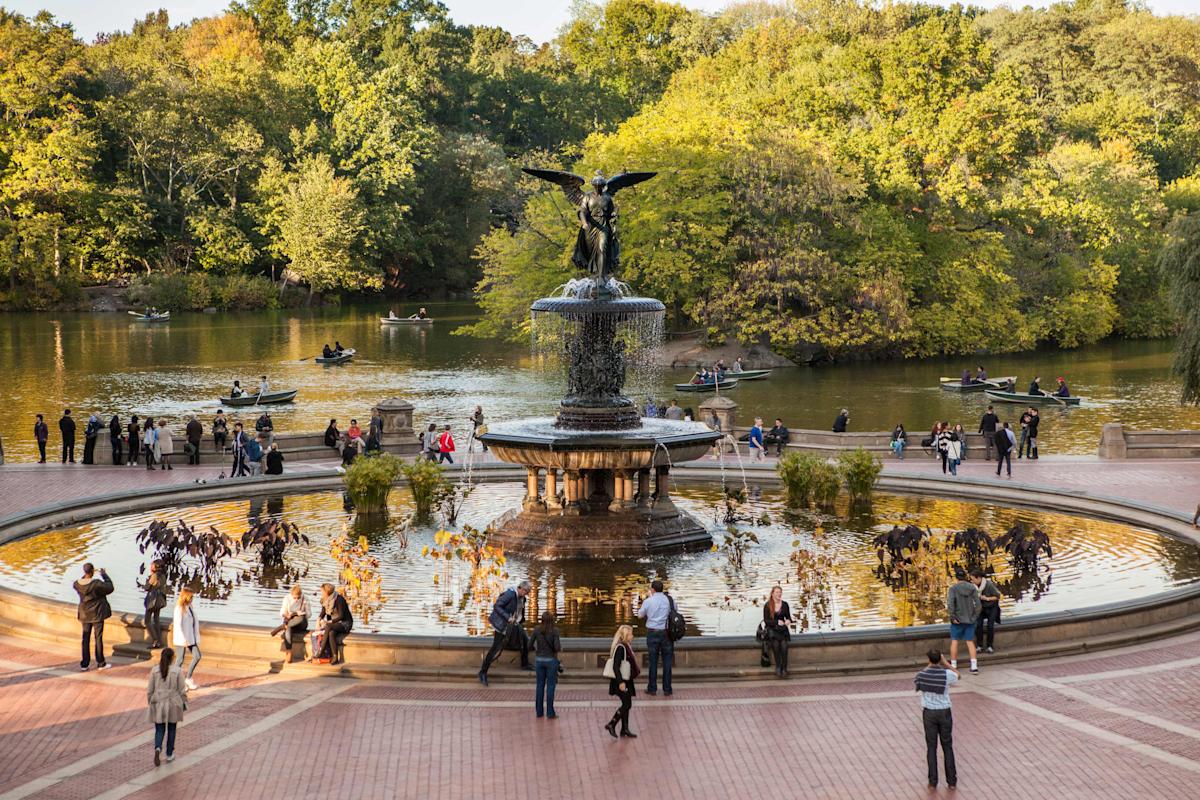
662, 485
397, 416
572, 483
643, 493
1112, 441
725, 411
622, 491
551, 495
531, 488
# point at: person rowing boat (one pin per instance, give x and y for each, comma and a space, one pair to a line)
338, 349
326, 352
1035, 386
422, 314
1063, 390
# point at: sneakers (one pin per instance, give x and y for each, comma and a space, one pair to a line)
989, 650
170, 758
83, 669
104, 666
191, 684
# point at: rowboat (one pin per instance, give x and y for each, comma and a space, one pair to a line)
270, 398
405, 321
956, 384
163, 317
749, 375
341, 358
705, 387
1032, 399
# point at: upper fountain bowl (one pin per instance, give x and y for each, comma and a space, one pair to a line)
584, 296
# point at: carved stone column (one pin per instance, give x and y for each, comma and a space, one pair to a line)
531, 489
662, 485
643, 492
551, 494
572, 483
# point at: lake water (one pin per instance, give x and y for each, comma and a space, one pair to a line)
110, 364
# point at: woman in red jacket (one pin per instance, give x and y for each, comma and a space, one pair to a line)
446, 446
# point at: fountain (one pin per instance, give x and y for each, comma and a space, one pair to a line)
590, 467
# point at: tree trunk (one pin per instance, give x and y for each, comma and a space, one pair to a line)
57, 254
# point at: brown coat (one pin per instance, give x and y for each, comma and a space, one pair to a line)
167, 697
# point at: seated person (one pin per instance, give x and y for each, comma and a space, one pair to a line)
338, 349
294, 613
336, 624
778, 436
326, 352
392, 314
422, 314
237, 390
333, 437
1062, 391
274, 460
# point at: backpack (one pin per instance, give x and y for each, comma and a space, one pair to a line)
676, 624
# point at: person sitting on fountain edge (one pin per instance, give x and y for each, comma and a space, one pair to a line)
778, 436
506, 619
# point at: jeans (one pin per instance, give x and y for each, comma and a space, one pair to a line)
939, 725
194, 649
1004, 460
987, 619
68, 451
658, 643
445, 456
898, 448
148, 453
42, 451
93, 630
954, 462
153, 623
1021, 442
990, 442
547, 680
1031, 451
116, 445
134, 449
219, 440
167, 728
194, 456
296, 626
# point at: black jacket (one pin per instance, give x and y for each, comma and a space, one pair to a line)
1034, 421
135, 435
274, 462
1003, 445
988, 423
67, 426
545, 646
194, 431
619, 658
774, 622
114, 429
839, 424
93, 598
41, 431
1035, 387
337, 610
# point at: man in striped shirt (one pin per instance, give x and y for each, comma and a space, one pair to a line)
934, 684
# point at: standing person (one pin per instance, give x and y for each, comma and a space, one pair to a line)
294, 613
446, 447
167, 697
989, 614
264, 387
934, 684
674, 412
843, 419
507, 615
1035, 420
154, 602
90, 433
943, 445
546, 645
1005, 442
987, 426
375, 432
135, 440
164, 445
1023, 422
954, 452
93, 591
756, 440
220, 431
195, 432
429, 443
185, 632
66, 426
650, 409
274, 461
899, 440
265, 428
149, 442
41, 434
779, 435
625, 671
239, 451
962, 441
337, 622
477, 422
115, 441
252, 456
963, 607
777, 617
656, 610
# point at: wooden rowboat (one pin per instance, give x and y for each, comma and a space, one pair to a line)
748, 375
705, 387
405, 321
163, 317
271, 398
342, 358
956, 384
1032, 399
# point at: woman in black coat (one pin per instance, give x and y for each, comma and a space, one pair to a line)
625, 668
135, 446
776, 618
114, 439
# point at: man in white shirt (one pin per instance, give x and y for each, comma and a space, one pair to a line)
263, 386
656, 610
934, 684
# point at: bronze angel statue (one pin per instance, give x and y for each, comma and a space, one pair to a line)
597, 249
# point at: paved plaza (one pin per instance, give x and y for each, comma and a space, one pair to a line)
1116, 724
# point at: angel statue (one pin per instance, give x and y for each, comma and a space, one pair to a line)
596, 247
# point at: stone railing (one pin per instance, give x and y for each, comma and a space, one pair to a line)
1116, 441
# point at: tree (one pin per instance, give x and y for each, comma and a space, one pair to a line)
1180, 265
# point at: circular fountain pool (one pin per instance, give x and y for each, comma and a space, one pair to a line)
826, 563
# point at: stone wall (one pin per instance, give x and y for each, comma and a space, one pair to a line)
1117, 441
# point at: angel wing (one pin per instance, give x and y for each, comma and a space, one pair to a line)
572, 185
619, 182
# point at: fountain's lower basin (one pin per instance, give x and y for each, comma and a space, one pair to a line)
588, 493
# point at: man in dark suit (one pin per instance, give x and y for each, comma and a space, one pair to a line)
41, 432
67, 426
987, 426
508, 611
1005, 442
93, 591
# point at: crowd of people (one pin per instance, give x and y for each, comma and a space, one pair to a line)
949, 443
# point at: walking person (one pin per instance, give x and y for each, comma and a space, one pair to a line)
154, 602
149, 442
755, 442
195, 433
220, 431
953, 452
989, 614
621, 677
958, 431
66, 426
777, 619
293, 612
656, 610
93, 590
943, 445
963, 607
934, 684
899, 440
446, 447
185, 632
1035, 420
508, 613
134, 431
167, 697
41, 434
429, 443
987, 426
1005, 441
546, 645
164, 445
91, 432
115, 440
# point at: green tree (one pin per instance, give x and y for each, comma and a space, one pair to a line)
1180, 265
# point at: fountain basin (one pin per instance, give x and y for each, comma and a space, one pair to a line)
658, 442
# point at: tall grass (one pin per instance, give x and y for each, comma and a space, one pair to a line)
860, 471
369, 481
428, 484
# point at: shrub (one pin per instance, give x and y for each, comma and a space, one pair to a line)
826, 483
796, 470
369, 481
428, 484
860, 470
196, 291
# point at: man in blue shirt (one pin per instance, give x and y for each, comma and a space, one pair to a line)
934, 684
656, 610
756, 440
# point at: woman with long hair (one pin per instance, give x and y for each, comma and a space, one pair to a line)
546, 645
149, 434
776, 618
625, 671
155, 601
167, 697
185, 632
164, 445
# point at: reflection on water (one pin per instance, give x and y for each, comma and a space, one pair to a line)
104, 363
827, 565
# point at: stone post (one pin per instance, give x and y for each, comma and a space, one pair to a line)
662, 484
531, 488
643, 495
551, 494
1112, 441
726, 414
397, 416
572, 481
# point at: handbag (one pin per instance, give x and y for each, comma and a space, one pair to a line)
609, 671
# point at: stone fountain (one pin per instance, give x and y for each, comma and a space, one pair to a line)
598, 475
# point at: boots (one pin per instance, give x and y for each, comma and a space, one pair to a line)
611, 727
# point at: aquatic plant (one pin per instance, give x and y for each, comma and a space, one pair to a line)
368, 482
859, 471
826, 484
796, 470
271, 537
428, 484
359, 574
735, 544
171, 545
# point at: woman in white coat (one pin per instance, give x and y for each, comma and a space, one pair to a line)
164, 444
167, 697
185, 632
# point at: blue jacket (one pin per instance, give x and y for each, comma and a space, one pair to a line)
253, 449
505, 608
756, 437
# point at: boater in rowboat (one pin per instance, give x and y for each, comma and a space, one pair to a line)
237, 390
326, 352
422, 314
1063, 391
